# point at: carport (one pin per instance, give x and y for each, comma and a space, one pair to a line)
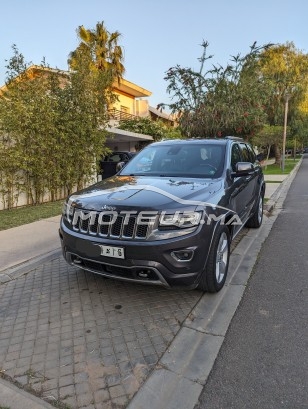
121, 140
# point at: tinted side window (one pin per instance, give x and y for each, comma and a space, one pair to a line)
245, 153
251, 153
114, 158
123, 157
235, 156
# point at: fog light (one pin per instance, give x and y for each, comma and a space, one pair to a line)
183, 255
144, 273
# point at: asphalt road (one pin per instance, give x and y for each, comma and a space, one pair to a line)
263, 362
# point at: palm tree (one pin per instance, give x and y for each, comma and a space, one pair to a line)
102, 48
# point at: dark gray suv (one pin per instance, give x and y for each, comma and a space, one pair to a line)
168, 217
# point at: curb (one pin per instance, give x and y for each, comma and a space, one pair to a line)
18, 270
14, 398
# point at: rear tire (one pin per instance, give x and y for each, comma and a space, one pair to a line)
255, 220
214, 275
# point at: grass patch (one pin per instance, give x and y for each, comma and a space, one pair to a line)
276, 169
28, 214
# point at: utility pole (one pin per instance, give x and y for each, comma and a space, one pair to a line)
286, 98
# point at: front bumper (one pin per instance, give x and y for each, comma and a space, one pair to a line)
145, 261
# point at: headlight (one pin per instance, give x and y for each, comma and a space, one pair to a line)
67, 210
180, 220
64, 209
176, 224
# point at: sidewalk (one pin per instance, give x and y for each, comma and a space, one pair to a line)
24, 243
273, 183
178, 376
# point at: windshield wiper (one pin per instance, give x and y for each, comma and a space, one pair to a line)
135, 174
170, 175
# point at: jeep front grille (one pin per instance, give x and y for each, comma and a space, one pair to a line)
109, 226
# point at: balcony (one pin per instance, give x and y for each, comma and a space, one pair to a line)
116, 115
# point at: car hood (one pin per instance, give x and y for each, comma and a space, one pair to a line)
147, 193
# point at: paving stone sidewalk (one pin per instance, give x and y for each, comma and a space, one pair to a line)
78, 340
75, 338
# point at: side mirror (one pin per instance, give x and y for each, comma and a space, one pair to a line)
243, 169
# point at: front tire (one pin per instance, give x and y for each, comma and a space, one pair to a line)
255, 220
214, 275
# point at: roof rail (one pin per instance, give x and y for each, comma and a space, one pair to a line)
236, 138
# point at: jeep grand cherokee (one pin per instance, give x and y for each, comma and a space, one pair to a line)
168, 216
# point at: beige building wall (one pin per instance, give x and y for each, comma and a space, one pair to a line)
125, 103
130, 105
142, 107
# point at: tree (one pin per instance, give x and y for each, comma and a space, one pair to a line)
96, 64
285, 71
102, 49
268, 136
16, 66
221, 100
299, 129
52, 123
27, 113
82, 108
146, 126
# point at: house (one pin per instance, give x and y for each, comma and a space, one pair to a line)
132, 103
157, 114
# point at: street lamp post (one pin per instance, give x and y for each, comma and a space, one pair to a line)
287, 97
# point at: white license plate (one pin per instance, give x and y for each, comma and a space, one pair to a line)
111, 251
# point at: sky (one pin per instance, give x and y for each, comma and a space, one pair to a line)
156, 35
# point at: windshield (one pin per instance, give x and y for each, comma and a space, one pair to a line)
194, 160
